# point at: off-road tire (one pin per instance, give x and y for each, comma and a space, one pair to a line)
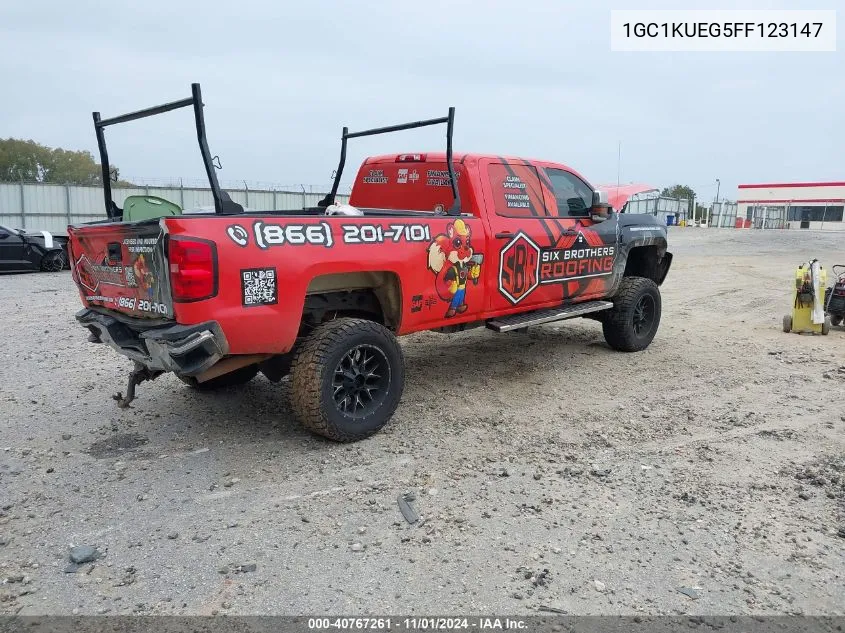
826, 325
318, 365
232, 379
787, 323
53, 262
623, 328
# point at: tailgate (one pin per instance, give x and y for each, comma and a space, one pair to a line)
122, 267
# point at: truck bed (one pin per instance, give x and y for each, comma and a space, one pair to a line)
308, 212
320, 211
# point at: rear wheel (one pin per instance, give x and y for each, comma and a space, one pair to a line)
346, 379
835, 319
826, 325
631, 324
787, 323
232, 379
53, 262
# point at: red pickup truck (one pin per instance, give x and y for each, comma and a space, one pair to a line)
428, 241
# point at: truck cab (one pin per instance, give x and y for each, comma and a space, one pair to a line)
539, 227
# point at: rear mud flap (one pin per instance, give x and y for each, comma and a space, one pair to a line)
136, 377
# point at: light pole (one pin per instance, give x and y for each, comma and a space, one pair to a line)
693, 210
718, 185
618, 166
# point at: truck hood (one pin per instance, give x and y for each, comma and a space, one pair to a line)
618, 195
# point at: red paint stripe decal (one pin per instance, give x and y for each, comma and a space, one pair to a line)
775, 185
794, 200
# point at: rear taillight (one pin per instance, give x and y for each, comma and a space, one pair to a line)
193, 269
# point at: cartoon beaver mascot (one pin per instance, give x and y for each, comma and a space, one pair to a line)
143, 276
450, 258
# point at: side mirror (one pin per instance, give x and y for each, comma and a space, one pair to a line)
601, 209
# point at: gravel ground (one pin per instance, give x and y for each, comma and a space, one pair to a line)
705, 475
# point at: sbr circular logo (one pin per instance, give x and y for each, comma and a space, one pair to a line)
519, 263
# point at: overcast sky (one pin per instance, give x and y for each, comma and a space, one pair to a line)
534, 78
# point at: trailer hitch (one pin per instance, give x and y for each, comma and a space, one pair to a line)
136, 377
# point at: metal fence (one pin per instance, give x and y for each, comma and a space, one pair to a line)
669, 210
43, 207
723, 215
729, 215
766, 217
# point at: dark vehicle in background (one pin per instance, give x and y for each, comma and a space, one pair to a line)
25, 252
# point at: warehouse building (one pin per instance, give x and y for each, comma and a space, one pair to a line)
796, 205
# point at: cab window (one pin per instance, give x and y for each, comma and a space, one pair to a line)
572, 195
415, 186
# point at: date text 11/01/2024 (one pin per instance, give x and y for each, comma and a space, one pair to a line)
416, 624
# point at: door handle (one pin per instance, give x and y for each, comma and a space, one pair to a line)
504, 236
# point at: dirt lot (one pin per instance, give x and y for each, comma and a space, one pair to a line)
705, 475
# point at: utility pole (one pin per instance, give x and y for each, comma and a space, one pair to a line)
618, 166
693, 210
718, 185
618, 169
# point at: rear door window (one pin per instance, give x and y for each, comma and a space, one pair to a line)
517, 192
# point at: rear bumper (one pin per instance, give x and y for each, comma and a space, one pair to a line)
185, 349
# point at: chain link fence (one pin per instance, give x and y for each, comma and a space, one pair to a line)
668, 210
49, 207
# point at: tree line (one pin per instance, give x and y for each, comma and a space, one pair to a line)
28, 161
685, 192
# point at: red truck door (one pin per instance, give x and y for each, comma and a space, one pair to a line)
548, 250
584, 263
519, 227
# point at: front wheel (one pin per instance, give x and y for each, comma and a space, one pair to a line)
631, 324
346, 379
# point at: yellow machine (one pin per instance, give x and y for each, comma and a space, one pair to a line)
808, 315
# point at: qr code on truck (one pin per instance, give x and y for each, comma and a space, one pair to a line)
258, 286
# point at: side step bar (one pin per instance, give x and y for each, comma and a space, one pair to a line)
517, 321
